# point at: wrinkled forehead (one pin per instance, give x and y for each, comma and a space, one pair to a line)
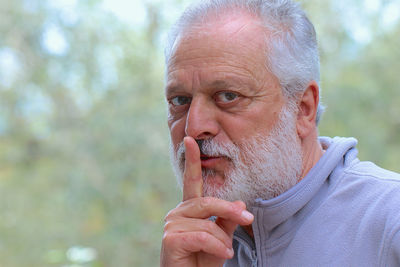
226, 34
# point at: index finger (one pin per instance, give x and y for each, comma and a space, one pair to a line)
192, 178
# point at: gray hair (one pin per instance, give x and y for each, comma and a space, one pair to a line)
291, 48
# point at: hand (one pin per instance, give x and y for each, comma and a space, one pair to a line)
190, 238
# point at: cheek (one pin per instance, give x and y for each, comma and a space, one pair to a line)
250, 125
177, 131
264, 119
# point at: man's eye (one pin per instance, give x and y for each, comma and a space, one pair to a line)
180, 100
226, 97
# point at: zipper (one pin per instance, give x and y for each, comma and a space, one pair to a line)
245, 240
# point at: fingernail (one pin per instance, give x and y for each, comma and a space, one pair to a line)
229, 252
247, 215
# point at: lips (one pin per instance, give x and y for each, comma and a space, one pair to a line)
205, 157
207, 160
211, 161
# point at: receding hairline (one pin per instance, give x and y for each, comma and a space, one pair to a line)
210, 22
248, 32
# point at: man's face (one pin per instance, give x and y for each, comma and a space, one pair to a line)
218, 88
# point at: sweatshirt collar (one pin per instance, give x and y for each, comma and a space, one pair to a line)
273, 212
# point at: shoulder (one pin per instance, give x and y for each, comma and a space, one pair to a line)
369, 196
368, 180
365, 176
373, 191
373, 188
372, 181
368, 170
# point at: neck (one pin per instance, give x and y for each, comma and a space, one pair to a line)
312, 152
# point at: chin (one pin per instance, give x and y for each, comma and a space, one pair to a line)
213, 182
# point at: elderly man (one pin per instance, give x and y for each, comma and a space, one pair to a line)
260, 188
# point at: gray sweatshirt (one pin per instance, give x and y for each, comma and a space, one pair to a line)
343, 213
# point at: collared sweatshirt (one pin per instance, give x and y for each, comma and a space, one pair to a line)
344, 212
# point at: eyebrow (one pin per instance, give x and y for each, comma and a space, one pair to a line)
171, 89
216, 84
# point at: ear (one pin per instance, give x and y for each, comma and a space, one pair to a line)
307, 114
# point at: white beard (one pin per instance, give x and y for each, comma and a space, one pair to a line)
262, 167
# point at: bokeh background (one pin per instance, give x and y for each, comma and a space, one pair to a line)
85, 178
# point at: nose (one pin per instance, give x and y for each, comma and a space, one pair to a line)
201, 121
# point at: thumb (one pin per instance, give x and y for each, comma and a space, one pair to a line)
230, 226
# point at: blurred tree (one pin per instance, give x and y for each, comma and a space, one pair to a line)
359, 78
83, 137
84, 171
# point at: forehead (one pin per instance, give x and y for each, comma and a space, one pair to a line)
219, 41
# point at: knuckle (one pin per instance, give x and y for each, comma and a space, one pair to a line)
230, 210
240, 205
202, 237
188, 177
172, 213
182, 204
166, 238
234, 210
208, 225
167, 226
169, 239
168, 216
205, 202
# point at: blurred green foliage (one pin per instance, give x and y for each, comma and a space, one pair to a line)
85, 178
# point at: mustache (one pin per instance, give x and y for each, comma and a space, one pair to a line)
200, 144
211, 148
